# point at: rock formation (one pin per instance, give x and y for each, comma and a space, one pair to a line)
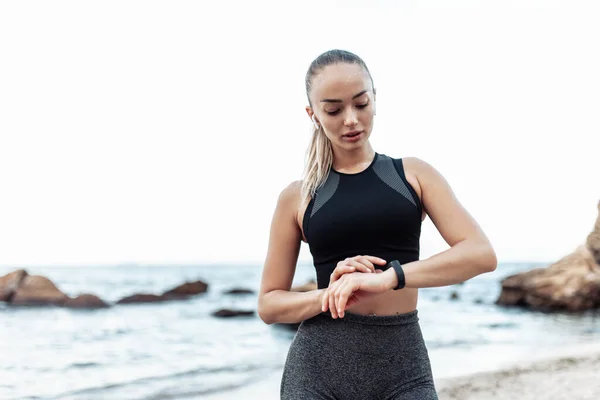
18, 288
572, 283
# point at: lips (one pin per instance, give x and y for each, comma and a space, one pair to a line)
352, 134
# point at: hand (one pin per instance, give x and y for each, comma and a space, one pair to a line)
355, 264
352, 288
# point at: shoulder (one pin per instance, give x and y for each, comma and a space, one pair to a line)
289, 203
420, 168
416, 164
413, 163
291, 193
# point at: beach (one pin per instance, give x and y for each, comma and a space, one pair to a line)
179, 350
573, 377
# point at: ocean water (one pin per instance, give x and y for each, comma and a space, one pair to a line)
177, 350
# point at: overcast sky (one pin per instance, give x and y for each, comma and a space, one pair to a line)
162, 132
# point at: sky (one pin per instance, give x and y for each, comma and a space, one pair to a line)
160, 132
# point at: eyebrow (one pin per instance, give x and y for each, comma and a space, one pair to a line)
339, 101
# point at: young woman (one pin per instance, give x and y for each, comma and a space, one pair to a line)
360, 213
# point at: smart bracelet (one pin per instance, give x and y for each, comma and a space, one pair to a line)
399, 272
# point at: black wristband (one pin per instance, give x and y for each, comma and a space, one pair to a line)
399, 272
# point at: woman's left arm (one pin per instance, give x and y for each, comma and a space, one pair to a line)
470, 253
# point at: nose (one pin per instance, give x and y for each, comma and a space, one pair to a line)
350, 118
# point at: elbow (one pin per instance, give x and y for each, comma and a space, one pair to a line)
263, 311
488, 259
266, 317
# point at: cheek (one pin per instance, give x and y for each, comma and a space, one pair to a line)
367, 118
330, 125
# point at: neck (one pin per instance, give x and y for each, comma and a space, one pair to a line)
350, 161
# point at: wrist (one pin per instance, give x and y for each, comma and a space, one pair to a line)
320, 296
395, 268
391, 278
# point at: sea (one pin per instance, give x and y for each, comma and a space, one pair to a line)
179, 350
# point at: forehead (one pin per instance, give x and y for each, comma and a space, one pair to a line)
340, 81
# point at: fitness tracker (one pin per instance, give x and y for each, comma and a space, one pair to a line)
399, 272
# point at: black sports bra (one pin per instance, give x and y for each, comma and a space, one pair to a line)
374, 212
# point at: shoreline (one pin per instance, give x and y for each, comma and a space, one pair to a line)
567, 377
571, 372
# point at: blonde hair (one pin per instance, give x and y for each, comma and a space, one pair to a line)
319, 156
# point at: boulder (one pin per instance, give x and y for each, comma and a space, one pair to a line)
571, 284
9, 284
36, 290
226, 313
86, 301
239, 291
140, 298
187, 289
593, 239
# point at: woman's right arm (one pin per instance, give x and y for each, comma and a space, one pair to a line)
276, 304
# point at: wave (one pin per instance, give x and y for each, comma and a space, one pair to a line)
250, 373
82, 365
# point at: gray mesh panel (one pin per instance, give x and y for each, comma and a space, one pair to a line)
385, 170
326, 192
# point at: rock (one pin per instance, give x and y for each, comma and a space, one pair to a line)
9, 284
85, 301
593, 239
226, 313
142, 298
454, 296
308, 286
239, 291
36, 290
572, 283
187, 289
513, 293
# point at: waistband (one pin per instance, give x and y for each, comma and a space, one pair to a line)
398, 319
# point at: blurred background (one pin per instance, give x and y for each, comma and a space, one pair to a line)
145, 143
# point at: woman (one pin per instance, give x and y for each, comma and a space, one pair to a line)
360, 213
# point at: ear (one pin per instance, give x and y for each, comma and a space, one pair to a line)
309, 111
313, 117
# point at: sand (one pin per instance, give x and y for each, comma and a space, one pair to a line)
574, 375
573, 378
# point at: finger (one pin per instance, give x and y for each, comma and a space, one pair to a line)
351, 301
337, 294
376, 260
342, 299
360, 266
332, 308
324, 302
378, 271
339, 271
366, 263
326, 298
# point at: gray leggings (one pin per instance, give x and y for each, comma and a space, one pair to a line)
358, 357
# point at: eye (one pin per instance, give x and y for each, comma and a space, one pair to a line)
361, 106
333, 112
